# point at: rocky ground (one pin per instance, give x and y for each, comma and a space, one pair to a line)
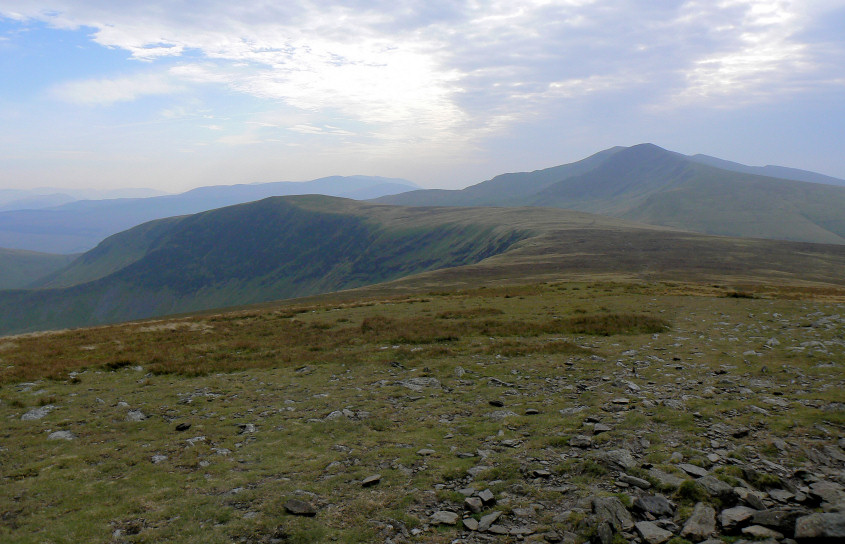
727, 426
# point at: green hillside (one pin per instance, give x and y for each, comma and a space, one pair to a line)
19, 268
649, 184
290, 247
271, 249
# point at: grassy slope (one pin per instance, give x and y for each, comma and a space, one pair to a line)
283, 370
20, 268
249, 253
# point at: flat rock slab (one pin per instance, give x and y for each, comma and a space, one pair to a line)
487, 521
370, 481
656, 505
38, 413
733, 518
693, 470
701, 524
611, 510
651, 533
61, 435
300, 508
444, 517
828, 527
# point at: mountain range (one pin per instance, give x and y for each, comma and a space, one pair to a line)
648, 184
80, 225
285, 247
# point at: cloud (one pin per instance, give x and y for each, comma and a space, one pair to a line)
108, 91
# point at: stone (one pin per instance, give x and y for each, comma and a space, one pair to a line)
444, 517
693, 470
732, 518
38, 413
701, 523
471, 524
717, 488
487, 497
758, 532
487, 521
665, 479
425, 452
183, 427
825, 527
370, 481
299, 507
580, 441
418, 384
61, 435
497, 529
532, 412
611, 510
616, 459
156, 459
634, 481
651, 533
826, 491
135, 415
656, 505
473, 504
496, 403
779, 519
599, 428
541, 473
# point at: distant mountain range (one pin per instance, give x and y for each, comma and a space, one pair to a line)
286, 247
648, 184
48, 197
80, 225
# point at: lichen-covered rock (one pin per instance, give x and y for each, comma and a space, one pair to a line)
701, 523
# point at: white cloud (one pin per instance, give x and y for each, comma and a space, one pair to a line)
111, 90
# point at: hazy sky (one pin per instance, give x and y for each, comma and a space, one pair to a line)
174, 94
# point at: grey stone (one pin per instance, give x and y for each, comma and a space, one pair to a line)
617, 459
370, 481
693, 470
496, 529
656, 505
38, 413
471, 524
135, 415
826, 527
580, 441
634, 481
717, 488
758, 532
599, 428
732, 518
651, 533
612, 510
444, 517
299, 507
826, 491
156, 459
473, 504
666, 479
418, 384
605, 532
487, 497
426, 452
701, 523
487, 521
61, 435
779, 519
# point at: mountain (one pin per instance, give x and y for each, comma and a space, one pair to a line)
81, 225
646, 183
769, 170
271, 249
19, 268
284, 247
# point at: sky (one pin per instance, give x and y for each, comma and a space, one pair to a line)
175, 94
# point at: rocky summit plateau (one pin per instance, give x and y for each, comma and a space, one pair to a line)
556, 411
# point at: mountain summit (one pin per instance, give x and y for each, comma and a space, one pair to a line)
649, 184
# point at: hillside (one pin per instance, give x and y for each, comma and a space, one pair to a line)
288, 247
270, 249
648, 184
81, 225
19, 269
